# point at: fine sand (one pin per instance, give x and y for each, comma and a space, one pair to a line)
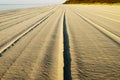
62, 42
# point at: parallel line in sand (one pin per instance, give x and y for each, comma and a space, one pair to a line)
12, 14
66, 52
7, 12
21, 52
13, 41
15, 17
20, 32
16, 23
44, 59
21, 21
109, 34
108, 18
22, 15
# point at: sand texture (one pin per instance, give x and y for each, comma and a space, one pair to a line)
62, 42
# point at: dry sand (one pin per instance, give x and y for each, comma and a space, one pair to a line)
63, 42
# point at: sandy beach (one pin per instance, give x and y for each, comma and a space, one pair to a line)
62, 42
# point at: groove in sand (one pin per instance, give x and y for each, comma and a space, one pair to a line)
10, 43
109, 34
66, 53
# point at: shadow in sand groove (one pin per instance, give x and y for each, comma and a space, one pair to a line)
67, 57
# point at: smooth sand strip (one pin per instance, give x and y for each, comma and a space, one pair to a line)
103, 30
10, 43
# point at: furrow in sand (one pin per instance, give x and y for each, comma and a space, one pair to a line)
105, 16
49, 64
103, 22
14, 54
15, 16
13, 13
94, 56
18, 16
9, 25
66, 52
23, 33
17, 29
19, 20
58, 47
101, 29
42, 59
109, 16
9, 12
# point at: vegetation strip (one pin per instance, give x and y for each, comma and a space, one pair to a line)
91, 1
66, 55
14, 40
103, 30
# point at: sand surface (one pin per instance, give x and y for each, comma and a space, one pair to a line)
62, 42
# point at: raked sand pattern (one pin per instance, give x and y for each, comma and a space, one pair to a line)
62, 42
